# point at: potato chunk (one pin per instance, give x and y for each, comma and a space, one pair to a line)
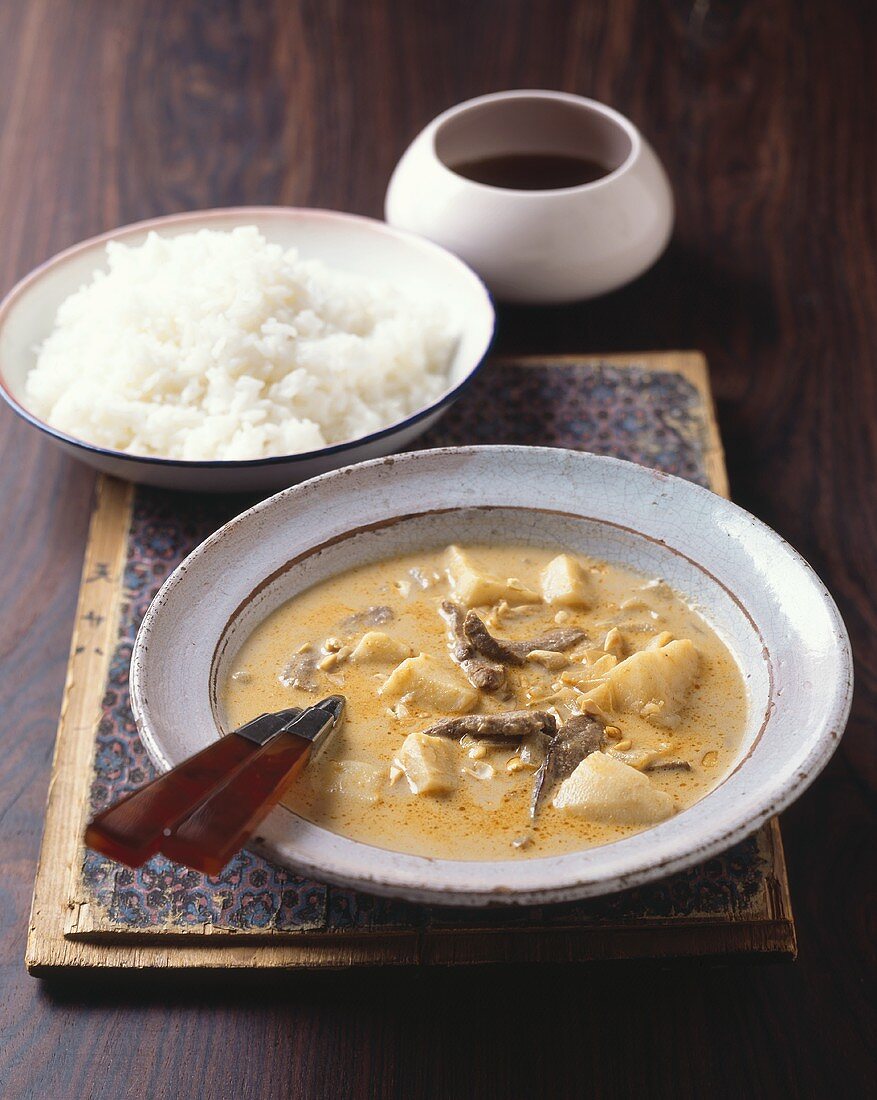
429, 764
663, 677
565, 583
605, 790
589, 674
378, 648
356, 780
429, 685
475, 587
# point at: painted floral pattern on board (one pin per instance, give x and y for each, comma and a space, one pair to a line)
654, 418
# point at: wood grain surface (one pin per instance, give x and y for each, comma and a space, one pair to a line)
764, 115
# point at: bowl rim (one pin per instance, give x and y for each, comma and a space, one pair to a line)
26, 283
546, 95
676, 856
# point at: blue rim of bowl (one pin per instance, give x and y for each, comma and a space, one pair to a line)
437, 406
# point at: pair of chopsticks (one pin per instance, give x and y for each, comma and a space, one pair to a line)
204, 810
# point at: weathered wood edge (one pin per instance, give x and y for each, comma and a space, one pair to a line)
80, 939
762, 939
91, 647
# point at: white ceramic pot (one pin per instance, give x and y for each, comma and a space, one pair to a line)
763, 599
537, 246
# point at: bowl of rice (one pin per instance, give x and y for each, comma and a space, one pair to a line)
241, 349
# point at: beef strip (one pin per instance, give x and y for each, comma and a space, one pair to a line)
478, 670
372, 616
508, 652
510, 724
577, 738
670, 764
301, 671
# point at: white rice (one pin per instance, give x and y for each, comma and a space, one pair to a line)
213, 345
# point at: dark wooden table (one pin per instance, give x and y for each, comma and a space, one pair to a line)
115, 110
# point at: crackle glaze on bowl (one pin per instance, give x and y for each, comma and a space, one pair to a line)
753, 588
362, 246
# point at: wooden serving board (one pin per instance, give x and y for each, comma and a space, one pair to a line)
89, 912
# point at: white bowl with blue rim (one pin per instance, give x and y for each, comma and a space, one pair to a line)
362, 246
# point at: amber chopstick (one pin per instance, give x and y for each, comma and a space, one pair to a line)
201, 812
210, 835
132, 829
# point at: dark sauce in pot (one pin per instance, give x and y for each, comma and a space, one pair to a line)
532, 171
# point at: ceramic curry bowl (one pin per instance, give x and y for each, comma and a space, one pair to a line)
751, 587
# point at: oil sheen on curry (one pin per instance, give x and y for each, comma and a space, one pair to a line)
504, 702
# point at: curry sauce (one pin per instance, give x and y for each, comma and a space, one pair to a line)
421, 643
